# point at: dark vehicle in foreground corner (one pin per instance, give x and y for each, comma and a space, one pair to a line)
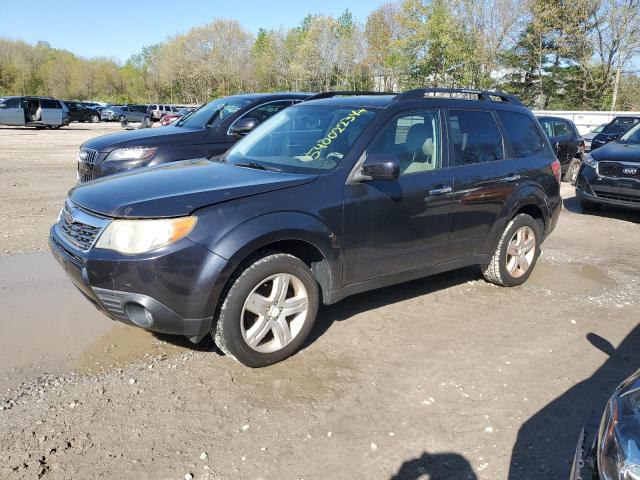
79, 112
210, 130
567, 144
614, 451
328, 198
614, 129
610, 175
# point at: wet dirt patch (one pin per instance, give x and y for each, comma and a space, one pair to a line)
124, 345
570, 278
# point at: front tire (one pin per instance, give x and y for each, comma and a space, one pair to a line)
516, 254
268, 310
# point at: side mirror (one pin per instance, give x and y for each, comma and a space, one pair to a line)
243, 126
379, 166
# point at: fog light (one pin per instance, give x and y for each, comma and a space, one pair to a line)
138, 314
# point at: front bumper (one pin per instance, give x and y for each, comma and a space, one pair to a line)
613, 191
178, 285
584, 460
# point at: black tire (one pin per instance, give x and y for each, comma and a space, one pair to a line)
147, 123
496, 271
227, 331
95, 118
588, 206
572, 172
122, 118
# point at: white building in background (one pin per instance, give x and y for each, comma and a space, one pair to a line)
585, 120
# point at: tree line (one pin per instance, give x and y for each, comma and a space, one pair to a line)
554, 54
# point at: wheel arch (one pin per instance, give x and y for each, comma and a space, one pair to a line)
530, 199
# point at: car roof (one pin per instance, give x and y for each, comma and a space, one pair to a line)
272, 95
551, 117
371, 101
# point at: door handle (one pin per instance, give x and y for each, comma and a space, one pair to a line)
440, 191
512, 178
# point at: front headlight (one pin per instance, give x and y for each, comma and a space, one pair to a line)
133, 153
138, 236
589, 160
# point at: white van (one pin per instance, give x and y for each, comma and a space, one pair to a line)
39, 112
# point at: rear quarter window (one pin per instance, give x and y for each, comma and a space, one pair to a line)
522, 133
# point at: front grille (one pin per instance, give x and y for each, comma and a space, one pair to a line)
80, 228
86, 164
616, 169
621, 197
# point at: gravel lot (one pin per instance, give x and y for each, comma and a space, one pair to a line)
447, 377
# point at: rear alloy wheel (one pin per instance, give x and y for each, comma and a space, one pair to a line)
516, 253
95, 118
122, 118
572, 172
268, 311
147, 122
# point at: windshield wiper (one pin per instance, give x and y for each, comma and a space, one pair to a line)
257, 166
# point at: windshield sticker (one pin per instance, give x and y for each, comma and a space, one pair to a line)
341, 126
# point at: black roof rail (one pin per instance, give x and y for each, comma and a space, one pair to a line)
344, 93
485, 95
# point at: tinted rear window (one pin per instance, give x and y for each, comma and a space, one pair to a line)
524, 136
48, 103
476, 137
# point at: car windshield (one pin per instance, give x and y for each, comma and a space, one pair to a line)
213, 113
599, 128
302, 139
632, 136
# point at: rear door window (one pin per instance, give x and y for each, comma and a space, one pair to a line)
475, 137
49, 103
522, 133
547, 126
561, 129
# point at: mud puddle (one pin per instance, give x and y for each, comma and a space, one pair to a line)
569, 278
47, 326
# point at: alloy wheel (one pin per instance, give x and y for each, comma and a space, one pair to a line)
521, 251
274, 313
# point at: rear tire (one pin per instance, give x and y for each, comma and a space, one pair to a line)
516, 254
147, 122
95, 119
252, 324
572, 172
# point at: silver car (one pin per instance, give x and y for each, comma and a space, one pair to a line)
122, 113
39, 112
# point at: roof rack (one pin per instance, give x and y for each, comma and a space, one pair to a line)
463, 93
344, 93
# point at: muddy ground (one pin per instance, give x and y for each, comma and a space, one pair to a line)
447, 377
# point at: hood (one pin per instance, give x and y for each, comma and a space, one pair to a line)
177, 189
617, 152
146, 137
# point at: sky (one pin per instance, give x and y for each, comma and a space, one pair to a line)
119, 28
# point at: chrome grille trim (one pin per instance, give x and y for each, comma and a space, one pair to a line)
79, 228
89, 160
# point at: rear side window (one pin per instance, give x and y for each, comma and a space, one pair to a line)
523, 134
48, 103
12, 103
475, 137
547, 126
561, 129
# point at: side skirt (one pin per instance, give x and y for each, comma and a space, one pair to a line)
380, 282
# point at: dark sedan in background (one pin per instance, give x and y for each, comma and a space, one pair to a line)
567, 144
614, 129
210, 130
610, 175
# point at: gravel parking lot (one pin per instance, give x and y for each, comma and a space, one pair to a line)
444, 378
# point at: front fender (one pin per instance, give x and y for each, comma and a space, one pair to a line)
256, 233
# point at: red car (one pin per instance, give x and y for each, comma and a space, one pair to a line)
172, 117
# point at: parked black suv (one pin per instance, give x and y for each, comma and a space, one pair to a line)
617, 127
207, 131
567, 144
329, 198
611, 174
79, 112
